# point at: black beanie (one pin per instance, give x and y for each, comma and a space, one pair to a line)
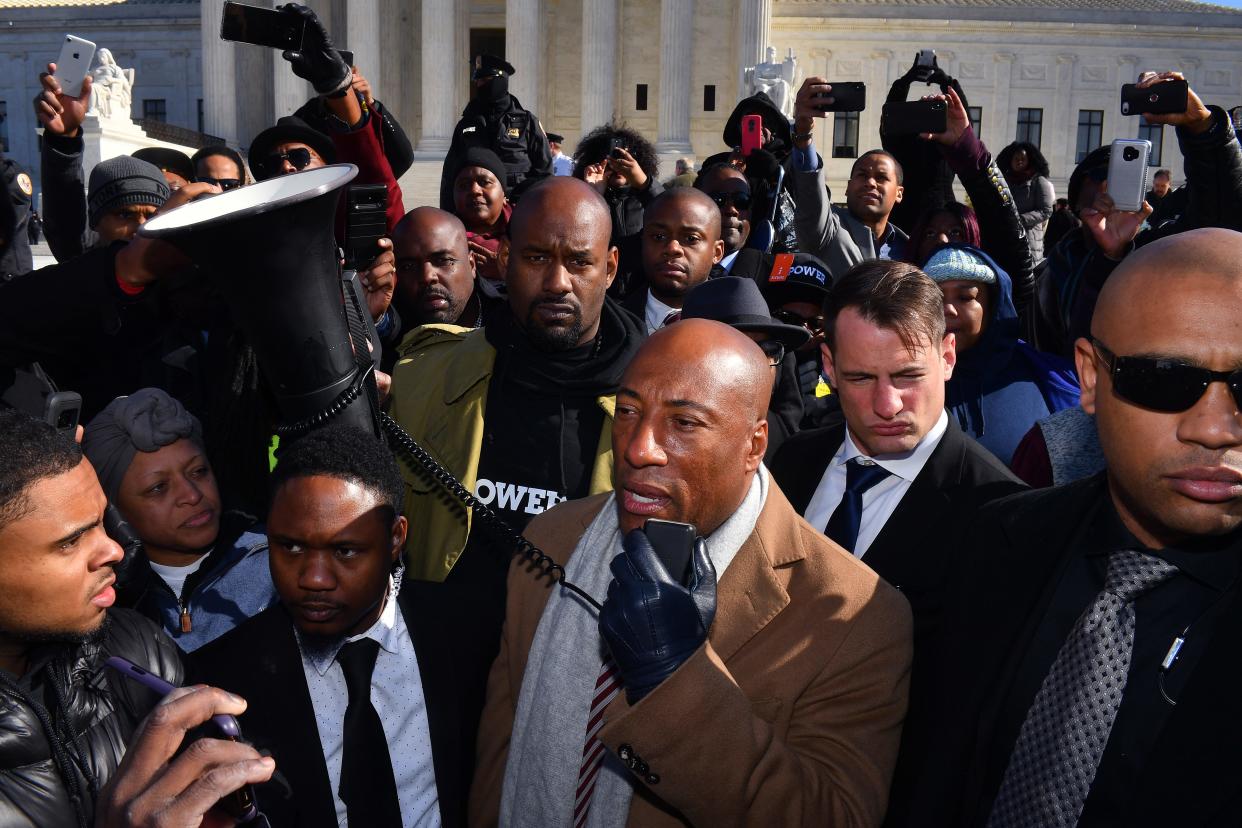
122, 181
488, 160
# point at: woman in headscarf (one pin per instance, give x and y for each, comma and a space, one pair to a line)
201, 571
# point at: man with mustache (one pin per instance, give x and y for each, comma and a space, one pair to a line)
1090, 658
680, 242
400, 753
520, 410
436, 279
765, 686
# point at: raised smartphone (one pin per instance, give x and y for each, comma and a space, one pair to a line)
752, 134
262, 27
914, 117
241, 804
847, 96
1158, 99
74, 64
1127, 173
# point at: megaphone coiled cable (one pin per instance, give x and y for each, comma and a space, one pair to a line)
522, 546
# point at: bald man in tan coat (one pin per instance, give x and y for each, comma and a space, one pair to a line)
789, 713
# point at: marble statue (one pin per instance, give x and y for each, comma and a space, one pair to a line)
111, 88
775, 79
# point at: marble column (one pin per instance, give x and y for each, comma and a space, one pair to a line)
523, 25
599, 63
676, 40
1000, 117
439, 65
219, 75
363, 39
1123, 126
1062, 127
754, 34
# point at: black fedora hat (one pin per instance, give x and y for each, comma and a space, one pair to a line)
287, 130
738, 303
168, 160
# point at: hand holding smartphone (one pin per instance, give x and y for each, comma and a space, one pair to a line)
1127, 173
74, 64
262, 27
914, 117
752, 134
1164, 98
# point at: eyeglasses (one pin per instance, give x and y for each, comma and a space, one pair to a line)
774, 351
739, 200
299, 157
225, 184
814, 324
1163, 384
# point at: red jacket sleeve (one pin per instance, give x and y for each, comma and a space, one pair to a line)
364, 147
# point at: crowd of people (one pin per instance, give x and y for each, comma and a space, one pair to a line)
729, 503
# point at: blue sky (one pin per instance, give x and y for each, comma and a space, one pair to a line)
1237, 4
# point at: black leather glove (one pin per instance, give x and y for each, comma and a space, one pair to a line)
652, 623
317, 62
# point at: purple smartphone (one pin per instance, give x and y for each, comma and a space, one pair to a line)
241, 804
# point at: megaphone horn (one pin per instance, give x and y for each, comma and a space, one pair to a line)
272, 250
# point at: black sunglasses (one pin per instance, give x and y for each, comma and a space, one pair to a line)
814, 324
299, 157
739, 200
225, 184
1163, 384
774, 351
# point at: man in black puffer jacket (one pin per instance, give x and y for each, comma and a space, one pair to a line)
64, 720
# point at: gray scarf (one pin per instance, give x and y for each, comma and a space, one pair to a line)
550, 724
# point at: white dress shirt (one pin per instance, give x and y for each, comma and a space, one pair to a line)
656, 312
880, 501
397, 695
727, 261
562, 164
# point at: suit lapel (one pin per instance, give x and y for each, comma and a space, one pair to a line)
751, 593
800, 478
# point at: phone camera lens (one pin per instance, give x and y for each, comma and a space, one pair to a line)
75, 56
1130, 154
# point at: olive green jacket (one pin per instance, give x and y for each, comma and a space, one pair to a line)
439, 396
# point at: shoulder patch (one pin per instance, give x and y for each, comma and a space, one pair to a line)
24, 184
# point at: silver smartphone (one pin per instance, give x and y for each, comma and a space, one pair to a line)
1127, 173
74, 64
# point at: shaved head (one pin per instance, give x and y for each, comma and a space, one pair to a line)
558, 262
681, 242
435, 274
691, 425
1174, 476
683, 198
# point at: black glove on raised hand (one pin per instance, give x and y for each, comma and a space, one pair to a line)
317, 62
652, 623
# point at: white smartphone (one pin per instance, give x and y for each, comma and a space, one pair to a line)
1127, 173
74, 64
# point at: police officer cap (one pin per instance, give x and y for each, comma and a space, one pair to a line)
556, 139
487, 65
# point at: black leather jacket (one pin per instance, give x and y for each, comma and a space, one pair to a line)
102, 710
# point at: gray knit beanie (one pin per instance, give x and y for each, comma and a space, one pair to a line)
122, 181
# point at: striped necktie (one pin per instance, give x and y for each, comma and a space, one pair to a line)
606, 688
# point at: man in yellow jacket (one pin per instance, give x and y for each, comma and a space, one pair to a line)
520, 411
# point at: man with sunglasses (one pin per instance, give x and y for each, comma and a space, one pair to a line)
728, 187
219, 165
1090, 657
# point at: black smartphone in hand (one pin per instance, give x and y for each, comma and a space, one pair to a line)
1164, 98
848, 96
673, 544
262, 27
914, 117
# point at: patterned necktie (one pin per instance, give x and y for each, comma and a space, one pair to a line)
673, 316
845, 521
1062, 740
606, 688
368, 787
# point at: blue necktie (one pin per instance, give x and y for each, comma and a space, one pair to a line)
843, 525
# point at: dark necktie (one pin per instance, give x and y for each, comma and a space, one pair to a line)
1062, 740
368, 787
671, 317
843, 525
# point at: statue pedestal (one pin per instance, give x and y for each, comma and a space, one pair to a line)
105, 138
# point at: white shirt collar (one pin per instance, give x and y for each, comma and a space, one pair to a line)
384, 630
656, 312
905, 465
727, 261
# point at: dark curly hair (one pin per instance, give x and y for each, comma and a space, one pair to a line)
347, 453
32, 451
595, 145
1033, 155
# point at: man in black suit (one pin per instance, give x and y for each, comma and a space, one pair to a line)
1125, 582
355, 680
897, 480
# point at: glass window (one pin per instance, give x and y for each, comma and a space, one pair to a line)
200, 115
845, 135
4, 126
1031, 126
154, 109
640, 97
975, 113
709, 98
1155, 134
1090, 132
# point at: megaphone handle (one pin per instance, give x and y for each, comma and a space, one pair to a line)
490, 519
